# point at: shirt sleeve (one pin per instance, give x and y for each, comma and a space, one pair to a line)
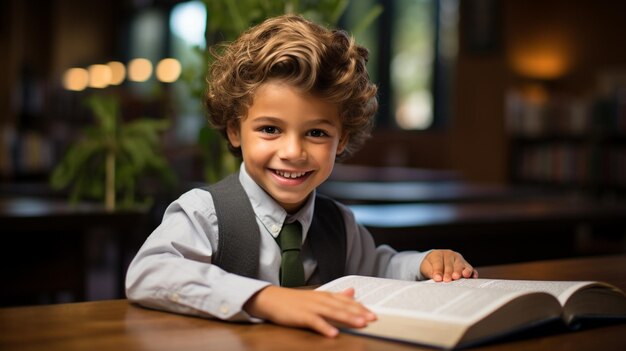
365, 258
172, 271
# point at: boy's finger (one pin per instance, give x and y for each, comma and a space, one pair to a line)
462, 269
436, 264
468, 271
346, 317
448, 267
323, 327
345, 309
349, 292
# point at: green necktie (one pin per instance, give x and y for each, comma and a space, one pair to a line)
291, 269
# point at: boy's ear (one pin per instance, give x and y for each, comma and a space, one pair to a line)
343, 142
232, 130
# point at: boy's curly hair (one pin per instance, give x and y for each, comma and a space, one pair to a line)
314, 59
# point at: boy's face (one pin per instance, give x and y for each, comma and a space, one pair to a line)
289, 141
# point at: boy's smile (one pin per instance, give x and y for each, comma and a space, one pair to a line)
289, 141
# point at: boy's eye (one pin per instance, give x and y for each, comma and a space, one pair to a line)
269, 130
318, 133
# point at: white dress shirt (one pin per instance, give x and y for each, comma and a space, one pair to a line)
172, 271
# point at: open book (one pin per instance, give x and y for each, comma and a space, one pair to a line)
470, 311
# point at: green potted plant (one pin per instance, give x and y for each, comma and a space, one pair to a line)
112, 156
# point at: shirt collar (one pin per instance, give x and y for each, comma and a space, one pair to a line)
269, 212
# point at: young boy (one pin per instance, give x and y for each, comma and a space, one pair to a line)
290, 96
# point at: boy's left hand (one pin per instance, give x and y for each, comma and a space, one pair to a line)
446, 265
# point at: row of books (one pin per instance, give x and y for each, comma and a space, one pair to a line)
544, 115
571, 164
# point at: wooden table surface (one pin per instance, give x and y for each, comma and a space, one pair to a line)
355, 192
118, 325
560, 210
497, 232
21, 214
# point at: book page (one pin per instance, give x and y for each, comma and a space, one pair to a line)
561, 289
443, 301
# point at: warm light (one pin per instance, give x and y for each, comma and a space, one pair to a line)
75, 79
118, 72
139, 70
548, 57
168, 70
542, 65
99, 76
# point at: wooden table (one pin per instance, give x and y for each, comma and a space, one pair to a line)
497, 232
22, 214
352, 184
370, 192
118, 325
560, 210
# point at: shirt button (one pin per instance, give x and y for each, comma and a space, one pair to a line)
224, 309
274, 228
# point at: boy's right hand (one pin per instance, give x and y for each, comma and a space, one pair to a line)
317, 310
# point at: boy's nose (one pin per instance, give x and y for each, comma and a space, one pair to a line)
293, 149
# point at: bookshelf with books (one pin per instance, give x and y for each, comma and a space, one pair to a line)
576, 143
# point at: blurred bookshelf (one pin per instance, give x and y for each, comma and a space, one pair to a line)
570, 142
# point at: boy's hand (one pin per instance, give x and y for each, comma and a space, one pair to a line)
317, 310
446, 265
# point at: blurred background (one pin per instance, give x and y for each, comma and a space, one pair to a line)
501, 131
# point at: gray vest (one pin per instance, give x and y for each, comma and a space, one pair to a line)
239, 237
